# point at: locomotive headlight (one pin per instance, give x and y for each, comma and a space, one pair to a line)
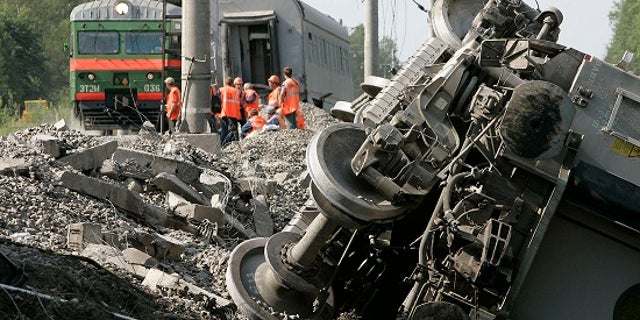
125, 82
122, 8
150, 76
91, 76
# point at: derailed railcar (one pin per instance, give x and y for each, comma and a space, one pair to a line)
493, 177
118, 58
255, 39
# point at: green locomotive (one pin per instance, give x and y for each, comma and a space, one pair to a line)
120, 52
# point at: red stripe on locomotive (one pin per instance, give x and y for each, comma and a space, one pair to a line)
120, 64
90, 96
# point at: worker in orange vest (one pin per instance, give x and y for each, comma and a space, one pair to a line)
230, 114
238, 84
290, 98
254, 124
174, 103
274, 95
251, 99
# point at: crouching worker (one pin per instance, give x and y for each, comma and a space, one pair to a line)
255, 123
273, 121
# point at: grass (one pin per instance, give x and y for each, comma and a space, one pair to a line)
57, 110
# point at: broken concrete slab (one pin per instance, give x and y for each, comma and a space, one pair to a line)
257, 185
215, 180
105, 254
220, 301
173, 200
108, 169
156, 278
91, 158
13, 167
158, 216
169, 182
200, 213
139, 270
80, 234
118, 196
208, 142
262, 218
148, 165
47, 144
135, 256
211, 182
156, 245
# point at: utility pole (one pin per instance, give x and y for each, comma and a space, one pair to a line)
370, 38
196, 74
430, 22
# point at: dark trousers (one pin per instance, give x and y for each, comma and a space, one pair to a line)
212, 123
228, 130
290, 120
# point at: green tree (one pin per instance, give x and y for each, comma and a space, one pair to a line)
48, 22
387, 56
22, 70
625, 20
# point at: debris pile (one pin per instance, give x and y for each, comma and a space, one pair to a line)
138, 226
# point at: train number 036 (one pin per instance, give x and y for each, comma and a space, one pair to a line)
151, 88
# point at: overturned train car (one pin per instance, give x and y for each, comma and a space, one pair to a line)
495, 176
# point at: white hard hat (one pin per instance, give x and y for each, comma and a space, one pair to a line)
170, 80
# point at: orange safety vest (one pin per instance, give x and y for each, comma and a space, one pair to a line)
173, 96
257, 122
255, 105
230, 97
273, 97
300, 119
291, 100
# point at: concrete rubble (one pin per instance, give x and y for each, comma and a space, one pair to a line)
165, 210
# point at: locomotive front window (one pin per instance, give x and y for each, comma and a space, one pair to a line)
90, 42
143, 42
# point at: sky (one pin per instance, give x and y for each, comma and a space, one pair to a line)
585, 26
